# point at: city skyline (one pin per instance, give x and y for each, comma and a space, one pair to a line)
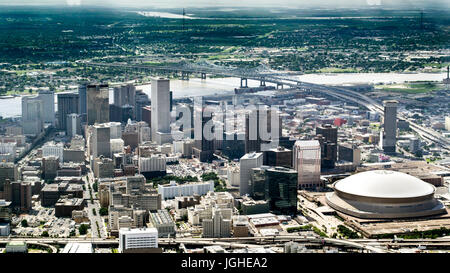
126, 129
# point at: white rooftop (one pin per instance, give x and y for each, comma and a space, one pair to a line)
138, 230
78, 248
384, 184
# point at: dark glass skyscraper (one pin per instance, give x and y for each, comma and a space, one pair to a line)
82, 109
281, 190
68, 103
327, 135
203, 147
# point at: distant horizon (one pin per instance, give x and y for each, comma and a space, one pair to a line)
296, 4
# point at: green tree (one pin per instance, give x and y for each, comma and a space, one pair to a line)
24, 223
83, 229
45, 234
103, 211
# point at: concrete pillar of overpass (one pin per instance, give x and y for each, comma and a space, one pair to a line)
184, 76
262, 82
244, 80
279, 85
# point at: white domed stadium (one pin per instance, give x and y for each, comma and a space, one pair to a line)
384, 194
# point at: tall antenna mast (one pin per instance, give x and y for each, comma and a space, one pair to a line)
183, 18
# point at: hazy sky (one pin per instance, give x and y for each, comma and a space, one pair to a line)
205, 3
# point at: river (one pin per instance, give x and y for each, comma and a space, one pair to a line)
12, 107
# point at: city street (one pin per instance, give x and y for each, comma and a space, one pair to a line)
94, 219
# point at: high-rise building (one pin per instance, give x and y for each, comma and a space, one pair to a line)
350, 153
50, 166
82, 104
258, 180
73, 125
101, 145
160, 104
8, 170
152, 166
307, 163
32, 115
115, 130
68, 103
97, 103
217, 227
21, 195
8, 151
142, 100
48, 105
53, 149
247, 162
327, 137
125, 95
121, 113
147, 114
204, 144
280, 157
388, 136
5, 211
414, 145
281, 190
25, 196
254, 122
329, 132
103, 167
139, 240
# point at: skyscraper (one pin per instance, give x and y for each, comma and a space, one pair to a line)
281, 190
217, 227
48, 105
327, 136
32, 115
97, 103
8, 171
247, 163
203, 145
160, 103
329, 132
101, 145
388, 137
307, 163
68, 103
82, 109
73, 124
142, 100
125, 97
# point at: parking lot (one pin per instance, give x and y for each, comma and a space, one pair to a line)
42, 219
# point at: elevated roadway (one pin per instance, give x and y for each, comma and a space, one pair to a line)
283, 79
